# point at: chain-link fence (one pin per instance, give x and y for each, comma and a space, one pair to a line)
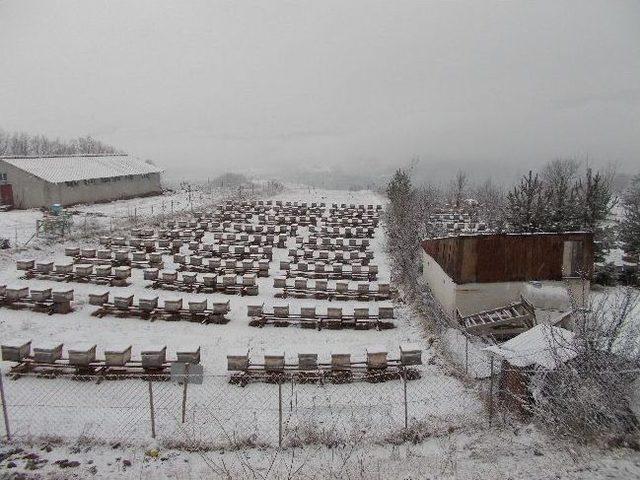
217, 414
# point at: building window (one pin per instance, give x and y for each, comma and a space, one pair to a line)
3, 177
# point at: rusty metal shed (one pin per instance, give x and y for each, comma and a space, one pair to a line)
510, 257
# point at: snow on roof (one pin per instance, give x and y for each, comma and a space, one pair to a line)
543, 345
70, 168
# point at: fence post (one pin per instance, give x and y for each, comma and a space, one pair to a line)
406, 403
185, 381
153, 419
5, 412
279, 413
491, 393
466, 355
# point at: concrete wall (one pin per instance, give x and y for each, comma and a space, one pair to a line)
32, 192
440, 284
471, 298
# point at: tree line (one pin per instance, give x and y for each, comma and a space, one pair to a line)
563, 196
24, 144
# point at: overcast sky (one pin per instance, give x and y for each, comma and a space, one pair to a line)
199, 86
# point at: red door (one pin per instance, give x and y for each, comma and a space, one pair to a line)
6, 195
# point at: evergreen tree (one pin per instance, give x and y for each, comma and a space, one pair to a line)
524, 209
630, 224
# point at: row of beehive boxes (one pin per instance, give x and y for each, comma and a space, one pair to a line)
259, 228
208, 279
344, 231
80, 269
268, 239
459, 226
385, 312
217, 263
84, 354
233, 249
170, 305
322, 285
165, 239
376, 357
314, 241
320, 267
18, 293
108, 255
336, 255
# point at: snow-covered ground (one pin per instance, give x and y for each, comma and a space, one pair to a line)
440, 405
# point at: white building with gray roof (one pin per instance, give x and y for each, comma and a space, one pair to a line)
27, 182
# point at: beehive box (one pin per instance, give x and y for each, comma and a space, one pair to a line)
377, 357
25, 264
148, 304
308, 312
44, 267
230, 263
361, 312
88, 252
385, 312
213, 263
238, 361
123, 302
285, 264
150, 273
197, 306
356, 268
342, 287
323, 254
279, 282
103, 270
195, 260
363, 287
16, 350
62, 295
98, 299
303, 266
16, 293
308, 361
63, 268
263, 265
373, 268
47, 352
383, 288
209, 279
154, 357
281, 311
189, 278
104, 254
82, 355
173, 305
255, 310
179, 258
334, 312
121, 255
138, 256
300, 283
321, 285
274, 361
247, 264
3, 290
220, 308
410, 354
117, 356
249, 279
40, 294
228, 280
155, 257
169, 275
189, 355
340, 361
84, 269
72, 251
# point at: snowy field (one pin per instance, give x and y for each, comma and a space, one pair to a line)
84, 409
54, 419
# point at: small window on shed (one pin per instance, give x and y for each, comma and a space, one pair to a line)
3, 177
572, 258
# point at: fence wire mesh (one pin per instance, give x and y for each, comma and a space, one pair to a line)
217, 414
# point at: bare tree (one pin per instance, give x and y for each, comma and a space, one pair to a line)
458, 188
